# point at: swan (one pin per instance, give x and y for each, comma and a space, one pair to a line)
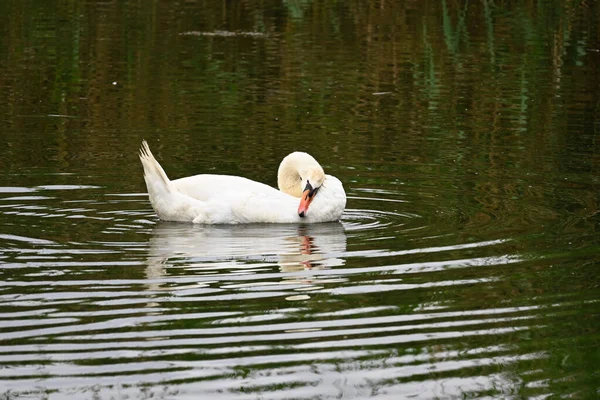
306, 194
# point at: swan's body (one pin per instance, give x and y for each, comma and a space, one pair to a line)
225, 199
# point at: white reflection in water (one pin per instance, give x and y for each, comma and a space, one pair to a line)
243, 248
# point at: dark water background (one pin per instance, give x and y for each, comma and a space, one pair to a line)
465, 266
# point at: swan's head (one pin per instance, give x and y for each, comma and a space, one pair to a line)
300, 175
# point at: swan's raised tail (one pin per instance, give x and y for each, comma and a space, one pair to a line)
167, 201
156, 179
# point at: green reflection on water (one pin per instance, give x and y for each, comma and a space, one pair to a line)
482, 117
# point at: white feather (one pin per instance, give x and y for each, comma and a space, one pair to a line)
225, 199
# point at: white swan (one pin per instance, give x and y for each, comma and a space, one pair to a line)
306, 194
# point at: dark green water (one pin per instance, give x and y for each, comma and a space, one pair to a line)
467, 135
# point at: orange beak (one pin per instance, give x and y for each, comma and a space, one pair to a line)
307, 197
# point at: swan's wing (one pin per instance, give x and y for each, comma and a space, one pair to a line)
207, 187
231, 199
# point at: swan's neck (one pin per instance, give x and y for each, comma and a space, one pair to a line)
330, 202
293, 172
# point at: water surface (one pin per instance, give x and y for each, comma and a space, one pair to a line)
466, 263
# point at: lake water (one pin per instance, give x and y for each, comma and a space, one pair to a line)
467, 135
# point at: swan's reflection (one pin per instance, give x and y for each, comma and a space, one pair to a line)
210, 247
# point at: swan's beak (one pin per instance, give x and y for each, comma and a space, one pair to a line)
307, 197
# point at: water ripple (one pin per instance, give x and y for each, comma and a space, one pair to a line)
381, 304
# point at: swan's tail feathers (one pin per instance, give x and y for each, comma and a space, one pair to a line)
152, 169
169, 203
160, 189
